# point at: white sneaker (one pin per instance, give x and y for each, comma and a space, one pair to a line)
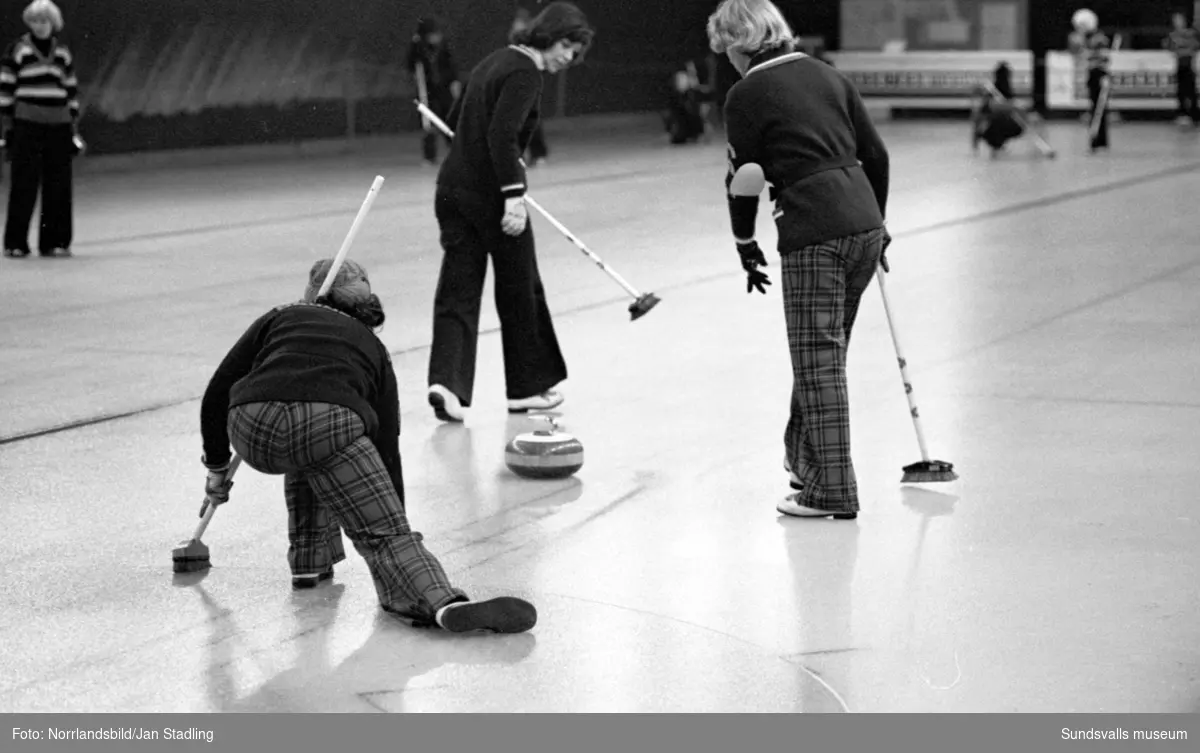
545, 401
790, 506
446, 405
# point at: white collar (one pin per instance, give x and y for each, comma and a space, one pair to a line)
532, 54
777, 61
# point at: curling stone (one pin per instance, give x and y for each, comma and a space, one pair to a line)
544, 454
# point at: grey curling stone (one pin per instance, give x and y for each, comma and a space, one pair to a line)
544, 454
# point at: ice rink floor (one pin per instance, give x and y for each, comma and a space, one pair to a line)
1049, 310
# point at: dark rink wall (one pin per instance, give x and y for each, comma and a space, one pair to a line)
174, 74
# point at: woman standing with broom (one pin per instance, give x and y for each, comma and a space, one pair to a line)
480, 206
800, 125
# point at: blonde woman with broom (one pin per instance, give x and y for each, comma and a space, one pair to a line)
801, 126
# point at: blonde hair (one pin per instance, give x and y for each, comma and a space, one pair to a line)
44, 10
748, 27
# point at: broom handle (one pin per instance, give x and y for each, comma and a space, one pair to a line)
908, 389
1105, 93
345, 249
441, 126
422, 92
204, 521
333, 270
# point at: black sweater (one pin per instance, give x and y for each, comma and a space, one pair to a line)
493, 122
805, 123
441, 69
307, 353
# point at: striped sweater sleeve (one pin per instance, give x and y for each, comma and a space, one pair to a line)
70, 82
8, 83
518, 95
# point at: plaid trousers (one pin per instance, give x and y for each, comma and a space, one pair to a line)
325, 448
822, 287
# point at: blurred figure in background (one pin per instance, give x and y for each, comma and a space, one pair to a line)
996, 119
39, 107
435, 71
685, 117
1093, 47
538, 150
1184, 41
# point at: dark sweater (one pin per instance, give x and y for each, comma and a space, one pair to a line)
806, 125
493, 122
1185, 43
441, 69
307, 353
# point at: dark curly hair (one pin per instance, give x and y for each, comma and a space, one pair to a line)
369, 312
558, 21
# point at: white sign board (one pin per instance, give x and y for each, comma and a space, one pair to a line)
933, 80
1141, 80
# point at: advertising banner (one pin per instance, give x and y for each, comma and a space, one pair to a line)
932, 80
1141, 80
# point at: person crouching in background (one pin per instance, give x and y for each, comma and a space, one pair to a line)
39, 109
996, 119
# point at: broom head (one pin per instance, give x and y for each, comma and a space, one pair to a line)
929, 472
190, 556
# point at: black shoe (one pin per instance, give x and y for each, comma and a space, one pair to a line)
61, 253
504, 614
16, 253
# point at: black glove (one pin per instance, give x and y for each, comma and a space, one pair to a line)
752, 259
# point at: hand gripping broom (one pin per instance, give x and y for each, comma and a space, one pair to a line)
192, 554
642, 302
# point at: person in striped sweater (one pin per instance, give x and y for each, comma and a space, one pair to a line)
1184, 41
1095, 49
39, 107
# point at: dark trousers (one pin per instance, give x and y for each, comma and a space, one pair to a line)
1185, 90
822, 287
470, 233
1096, 80
440, 102
684, 120
41, 159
